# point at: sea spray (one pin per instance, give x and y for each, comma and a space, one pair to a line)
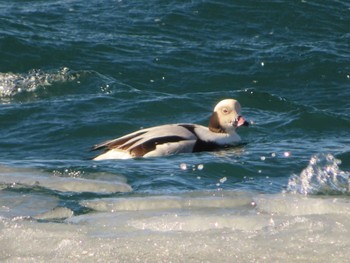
321, 176
14, 83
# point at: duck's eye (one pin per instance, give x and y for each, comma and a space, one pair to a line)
225, 111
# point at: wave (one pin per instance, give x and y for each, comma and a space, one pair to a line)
321, 176
15, 83
273, 111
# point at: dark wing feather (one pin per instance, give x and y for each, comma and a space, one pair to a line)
141, 142
117, 142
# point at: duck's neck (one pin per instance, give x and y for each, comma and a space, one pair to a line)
214, 124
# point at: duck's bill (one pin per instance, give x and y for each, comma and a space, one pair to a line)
242, 122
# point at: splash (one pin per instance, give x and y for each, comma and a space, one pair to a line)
12, 84
321, 176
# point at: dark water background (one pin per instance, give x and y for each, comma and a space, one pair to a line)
93, 71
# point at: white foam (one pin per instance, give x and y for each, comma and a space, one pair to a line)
322, 175
13, 83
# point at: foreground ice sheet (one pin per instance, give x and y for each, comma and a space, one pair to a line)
195, 227
27, 178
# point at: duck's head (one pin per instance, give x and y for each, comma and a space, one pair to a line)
226, 117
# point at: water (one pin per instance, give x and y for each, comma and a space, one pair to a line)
74, 74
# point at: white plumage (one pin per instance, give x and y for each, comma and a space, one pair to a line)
179, 138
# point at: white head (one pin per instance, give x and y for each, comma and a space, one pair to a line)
226, 117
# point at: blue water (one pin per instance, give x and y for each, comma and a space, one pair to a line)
76, 73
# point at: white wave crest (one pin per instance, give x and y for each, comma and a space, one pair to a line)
321, 176
14, 83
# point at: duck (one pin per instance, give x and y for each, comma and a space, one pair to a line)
170, 139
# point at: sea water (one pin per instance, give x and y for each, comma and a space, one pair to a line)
73, 74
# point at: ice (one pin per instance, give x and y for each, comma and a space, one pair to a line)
56, 213
84, 185
278, 228
30, 178
198, 226
199, 222
185, 201
297, 205
25, 205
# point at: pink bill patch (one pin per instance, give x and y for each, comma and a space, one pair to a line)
241, 121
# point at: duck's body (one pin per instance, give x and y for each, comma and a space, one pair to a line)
178, 138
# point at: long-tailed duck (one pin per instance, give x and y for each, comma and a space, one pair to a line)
179, 138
